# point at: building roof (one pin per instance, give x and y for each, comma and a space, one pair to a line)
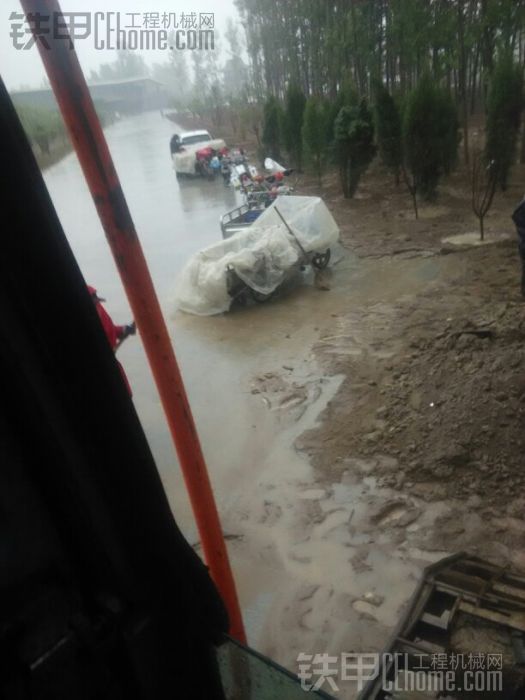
125, 81
114, 83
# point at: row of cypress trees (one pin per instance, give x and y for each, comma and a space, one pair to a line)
316, 132
417, 137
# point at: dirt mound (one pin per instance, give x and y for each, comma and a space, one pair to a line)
436, 381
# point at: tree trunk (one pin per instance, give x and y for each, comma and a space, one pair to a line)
435, 61
349, 185
412, 188
343, 176
256, 131
388, 59
462, 79
414, 201
474, 81
488, 49
522, 150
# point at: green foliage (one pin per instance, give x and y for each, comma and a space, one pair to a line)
292, 124
430, 135
505, 103
316, 43
272, 128
346, 97
388, 128
41, 125
354, 144
447, 130
314, 134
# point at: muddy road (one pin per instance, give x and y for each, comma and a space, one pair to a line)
342, 425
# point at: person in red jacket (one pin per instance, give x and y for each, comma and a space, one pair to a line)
115, 334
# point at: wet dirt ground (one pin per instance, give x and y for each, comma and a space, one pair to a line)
355, 430
419, 452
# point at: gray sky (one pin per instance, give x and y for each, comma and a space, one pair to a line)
24, 67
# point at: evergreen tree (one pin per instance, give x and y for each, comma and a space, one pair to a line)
293, 123
388, 129
505, 103
447, 130
346, 97
272, 125
354, 144
430, 138
314, 134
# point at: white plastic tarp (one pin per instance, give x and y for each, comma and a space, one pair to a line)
308, 217
273, 166
260, 255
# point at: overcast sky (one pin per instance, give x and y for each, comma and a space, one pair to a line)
24, 67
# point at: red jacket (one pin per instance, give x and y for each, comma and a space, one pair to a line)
114, 333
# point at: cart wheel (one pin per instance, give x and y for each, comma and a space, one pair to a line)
259, 297
321, 260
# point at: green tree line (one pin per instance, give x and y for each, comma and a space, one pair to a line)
417, 136
318, 45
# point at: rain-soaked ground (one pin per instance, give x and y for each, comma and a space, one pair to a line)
288, 534
173, 221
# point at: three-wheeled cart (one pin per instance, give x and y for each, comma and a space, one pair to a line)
254, 261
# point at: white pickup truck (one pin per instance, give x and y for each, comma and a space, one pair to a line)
184, 149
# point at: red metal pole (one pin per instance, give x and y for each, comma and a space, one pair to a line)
72, 94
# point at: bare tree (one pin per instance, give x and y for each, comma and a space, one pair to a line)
484, 178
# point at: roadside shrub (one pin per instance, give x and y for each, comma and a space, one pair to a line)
388, 130
41, 125
504, 105
430, 138
354, 144
315, 135
293, 124
272, 128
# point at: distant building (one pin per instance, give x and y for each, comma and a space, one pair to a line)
126, 96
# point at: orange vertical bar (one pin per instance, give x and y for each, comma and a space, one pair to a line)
72, 94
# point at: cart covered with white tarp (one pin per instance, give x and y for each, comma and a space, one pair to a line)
292, 232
